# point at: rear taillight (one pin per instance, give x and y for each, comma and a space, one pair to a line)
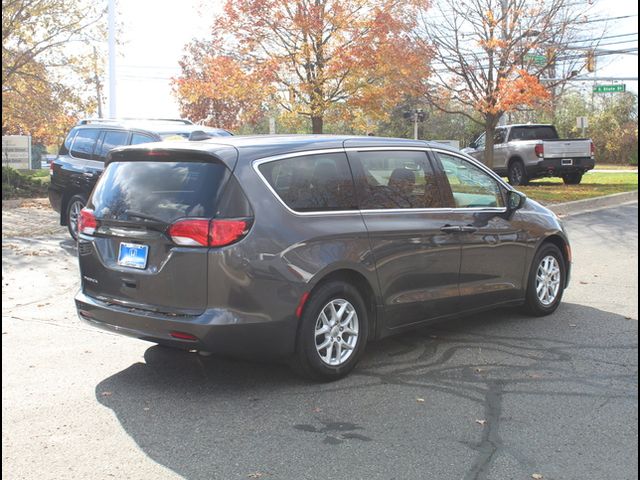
226, 232
539, 149
198, 232
87, 222
190, 232
593, 150
51, 168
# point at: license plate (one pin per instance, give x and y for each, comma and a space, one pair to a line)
567, 161
133, 255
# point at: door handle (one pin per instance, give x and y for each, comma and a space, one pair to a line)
450, 229
468, 229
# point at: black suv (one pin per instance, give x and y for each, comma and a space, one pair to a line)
307, 246
81, 157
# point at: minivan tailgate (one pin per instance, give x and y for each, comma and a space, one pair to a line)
129, 257
173, 280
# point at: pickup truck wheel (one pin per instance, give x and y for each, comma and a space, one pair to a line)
572, 178
74, 206
517, 174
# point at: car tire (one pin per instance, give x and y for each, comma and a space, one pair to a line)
517, 174
343, 348
572, 178
76, 203
547, 279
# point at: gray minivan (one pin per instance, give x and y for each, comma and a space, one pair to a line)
307, 247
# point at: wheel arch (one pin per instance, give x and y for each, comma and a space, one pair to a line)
364, 287
64, 203
565, 251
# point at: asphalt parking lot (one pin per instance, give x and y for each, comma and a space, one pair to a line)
493, 396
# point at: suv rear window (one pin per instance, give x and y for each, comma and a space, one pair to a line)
163, 191
533, 133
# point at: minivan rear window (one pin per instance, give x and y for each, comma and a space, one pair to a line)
163, 191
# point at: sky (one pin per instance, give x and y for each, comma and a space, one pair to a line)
154, 33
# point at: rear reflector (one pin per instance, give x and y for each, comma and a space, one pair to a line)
593, 150
200, 232
303, 300
87, 222
183, 336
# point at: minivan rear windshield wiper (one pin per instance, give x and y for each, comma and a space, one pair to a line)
142, 216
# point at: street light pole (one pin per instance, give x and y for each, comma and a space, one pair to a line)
112, 57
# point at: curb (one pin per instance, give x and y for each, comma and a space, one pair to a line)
581, 206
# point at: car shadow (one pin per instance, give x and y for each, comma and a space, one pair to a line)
198, 415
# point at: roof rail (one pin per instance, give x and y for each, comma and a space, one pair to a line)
87, 121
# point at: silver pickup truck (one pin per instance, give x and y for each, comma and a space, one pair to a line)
525, 152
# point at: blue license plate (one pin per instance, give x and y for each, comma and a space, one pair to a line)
133, 255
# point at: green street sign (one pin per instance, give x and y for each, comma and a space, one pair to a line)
536, 59
609, 88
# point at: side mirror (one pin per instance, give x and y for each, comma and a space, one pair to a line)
473, 145
515, 200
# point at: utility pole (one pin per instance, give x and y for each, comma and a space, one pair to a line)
96, 81
112, 57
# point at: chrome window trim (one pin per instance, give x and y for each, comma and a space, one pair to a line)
257, 163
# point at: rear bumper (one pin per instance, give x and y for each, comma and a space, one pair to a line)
556, 167
219, 331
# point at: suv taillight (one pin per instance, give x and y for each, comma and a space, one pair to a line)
87, 222
51, 167
539, 149
593, 150
199, 232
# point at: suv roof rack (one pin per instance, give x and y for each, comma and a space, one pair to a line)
87, 121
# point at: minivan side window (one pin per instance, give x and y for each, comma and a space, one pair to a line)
395, 179
111, 140
312, 183
471, 186
138, 138
84, 143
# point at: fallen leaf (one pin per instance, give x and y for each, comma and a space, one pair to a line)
481, 422
420, 400
479, 370
106, 394
317, 410
537, 476
583, 283
255, 475
535, 375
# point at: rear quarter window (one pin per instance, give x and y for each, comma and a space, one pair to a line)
312, 183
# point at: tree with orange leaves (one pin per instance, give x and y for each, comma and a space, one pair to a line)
346, 58
497, 56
